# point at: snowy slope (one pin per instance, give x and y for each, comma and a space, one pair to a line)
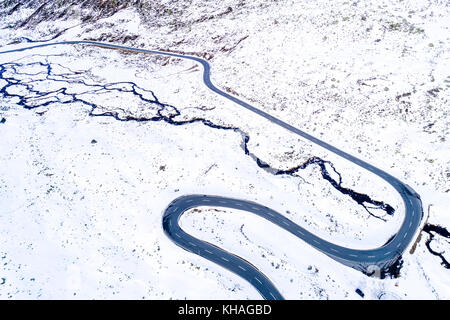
82, 196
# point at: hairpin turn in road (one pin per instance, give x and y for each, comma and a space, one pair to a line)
363, 260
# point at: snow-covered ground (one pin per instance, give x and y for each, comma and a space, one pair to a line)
82, 197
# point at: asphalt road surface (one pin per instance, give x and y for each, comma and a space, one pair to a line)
363, 260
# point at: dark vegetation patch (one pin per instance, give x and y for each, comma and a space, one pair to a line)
393, 271
432, 231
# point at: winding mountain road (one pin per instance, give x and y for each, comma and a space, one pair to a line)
363, 260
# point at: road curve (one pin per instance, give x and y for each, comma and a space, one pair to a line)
362, 260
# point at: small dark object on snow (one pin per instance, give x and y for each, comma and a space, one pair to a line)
93, 141
3, 120
358, 291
